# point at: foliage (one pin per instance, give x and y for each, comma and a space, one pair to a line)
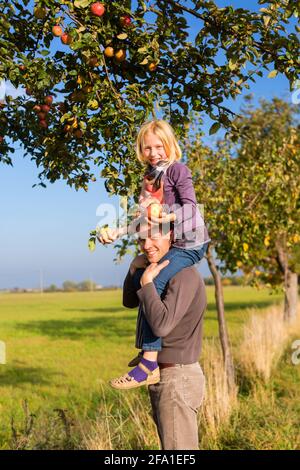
101, 101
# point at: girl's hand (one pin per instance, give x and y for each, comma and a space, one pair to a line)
152, 271
140, 261
107, 235
164, 219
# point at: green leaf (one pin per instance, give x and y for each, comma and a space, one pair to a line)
92, 244
81, 3
273, 74
122, 36
214, 128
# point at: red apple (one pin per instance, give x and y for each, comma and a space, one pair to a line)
42, 116
154, 210
125, 20
48, 100
45, 108
57, 30
66, 38
28, 91
36, 108
43, 124
97, 9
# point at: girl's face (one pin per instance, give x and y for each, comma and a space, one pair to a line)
153, 149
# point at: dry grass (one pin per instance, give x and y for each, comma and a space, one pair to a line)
219, 401
264, 341
124, 424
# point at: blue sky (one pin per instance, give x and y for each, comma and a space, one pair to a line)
44, 232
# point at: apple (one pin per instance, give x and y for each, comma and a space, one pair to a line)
154, 210
43, 124
109, 51
152, 66
125, 21
93, 62
67, 128
48, 100
42, 116
57, 30
28, 91
66, 38
97, 9
45, 108
120, 55
22, 68
36, 108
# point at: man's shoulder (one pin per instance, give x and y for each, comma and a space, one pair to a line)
189, 275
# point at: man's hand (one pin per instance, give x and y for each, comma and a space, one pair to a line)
152, 271
140, 261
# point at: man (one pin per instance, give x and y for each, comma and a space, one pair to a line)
177, 317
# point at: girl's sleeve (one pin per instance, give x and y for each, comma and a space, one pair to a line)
181, 177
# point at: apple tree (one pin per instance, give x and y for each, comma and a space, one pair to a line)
90, 73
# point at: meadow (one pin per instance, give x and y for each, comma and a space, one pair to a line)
62, 348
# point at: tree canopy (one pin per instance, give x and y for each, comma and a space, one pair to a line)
95, 71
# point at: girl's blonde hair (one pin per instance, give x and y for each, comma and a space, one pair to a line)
164, 131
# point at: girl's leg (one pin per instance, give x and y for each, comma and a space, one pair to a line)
179, 259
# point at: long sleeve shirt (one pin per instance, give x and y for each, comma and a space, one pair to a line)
190, 230
177, 317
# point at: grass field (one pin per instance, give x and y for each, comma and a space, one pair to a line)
61, 347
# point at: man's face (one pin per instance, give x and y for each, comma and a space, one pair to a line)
155, 245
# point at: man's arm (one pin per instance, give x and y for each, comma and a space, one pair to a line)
164, 315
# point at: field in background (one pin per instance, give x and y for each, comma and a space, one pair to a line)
62, 347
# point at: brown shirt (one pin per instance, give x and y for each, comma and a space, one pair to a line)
177, 317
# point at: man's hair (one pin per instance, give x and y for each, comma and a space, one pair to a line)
145, 230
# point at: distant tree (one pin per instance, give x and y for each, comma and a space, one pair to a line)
86, 285
70, 286
52, 288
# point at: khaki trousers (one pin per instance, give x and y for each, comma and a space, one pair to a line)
175, 402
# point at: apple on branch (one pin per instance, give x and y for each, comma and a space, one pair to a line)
97, 9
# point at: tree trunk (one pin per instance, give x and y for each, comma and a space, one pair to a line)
290, 296
290, 284
223, 333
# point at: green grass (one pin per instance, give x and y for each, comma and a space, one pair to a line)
61, 347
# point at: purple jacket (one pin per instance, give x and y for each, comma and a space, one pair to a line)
179, 194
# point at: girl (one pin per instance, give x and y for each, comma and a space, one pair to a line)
168, 182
